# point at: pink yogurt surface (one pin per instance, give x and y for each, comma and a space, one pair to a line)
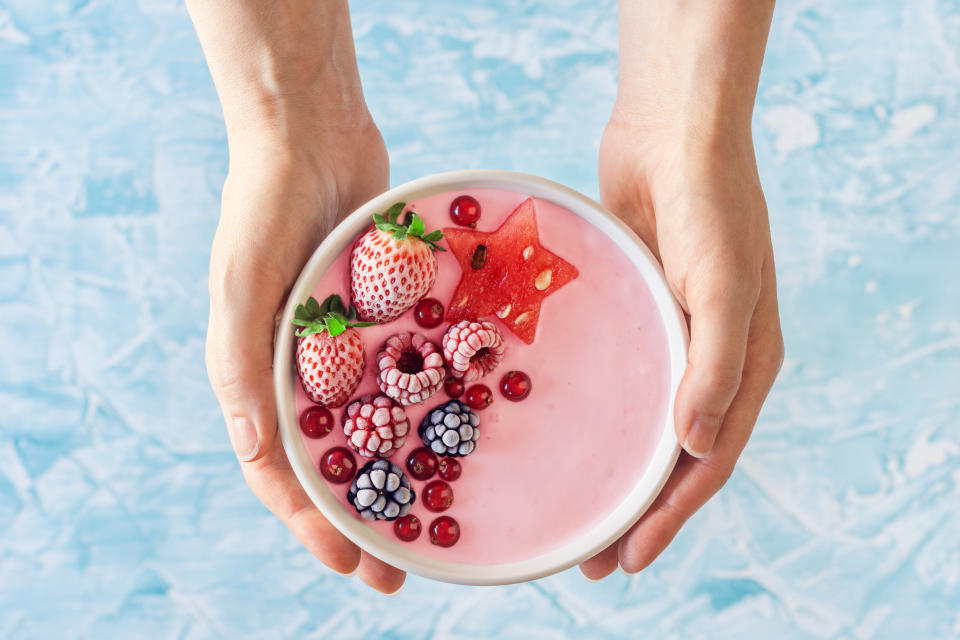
549, 468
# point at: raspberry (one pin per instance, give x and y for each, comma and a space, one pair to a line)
451, 429
381, 491
375, 426
472, 349
411, 368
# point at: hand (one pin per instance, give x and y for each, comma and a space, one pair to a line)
279, 200
304, 152
698, 205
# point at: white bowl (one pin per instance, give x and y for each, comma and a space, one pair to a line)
397, 554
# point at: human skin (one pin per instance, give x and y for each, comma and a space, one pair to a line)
676, 164
304, 152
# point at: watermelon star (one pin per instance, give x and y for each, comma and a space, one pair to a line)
506, 273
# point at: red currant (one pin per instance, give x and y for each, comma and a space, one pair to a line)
444, 531
465, 211
449, 469
422, 463
407, 527
437, 495
479, 397
316, 422
428, 313
453, 387
338, 465
515, 385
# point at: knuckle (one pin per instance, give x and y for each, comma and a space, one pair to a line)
723, 378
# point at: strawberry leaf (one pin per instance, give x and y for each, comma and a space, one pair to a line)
313, 307
416, 227
394, 212
334, 326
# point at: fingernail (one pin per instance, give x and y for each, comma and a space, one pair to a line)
397, 592
699, 440
589, 579
348, 575
245, 439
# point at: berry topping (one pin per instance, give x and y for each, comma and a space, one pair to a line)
329, 351
337, 465
515, 276
515, 385
472, 349
411, 368
479, 397
375, 426
465, 211
421, 463
444, 531
437, 495
393, 265
316, 422
451, 429
381, 491
407, 527
449, 469
428, 313
453, 387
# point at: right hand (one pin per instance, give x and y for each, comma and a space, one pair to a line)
284, 193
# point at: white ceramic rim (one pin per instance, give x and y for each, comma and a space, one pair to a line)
395, 553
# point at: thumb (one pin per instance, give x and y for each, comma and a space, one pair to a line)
719, 326
239, 358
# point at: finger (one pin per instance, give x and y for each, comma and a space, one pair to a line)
239, 362
381, 576
239, 357
719, 323
601, 565
273, 481
694, 481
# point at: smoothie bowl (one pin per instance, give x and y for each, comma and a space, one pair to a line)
475, 376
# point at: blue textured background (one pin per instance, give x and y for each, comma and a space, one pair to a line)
122, 510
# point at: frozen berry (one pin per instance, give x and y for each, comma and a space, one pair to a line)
465, 211
472, 349
479, 397
422, 463
515, 386
428, 313
381, 491
449, 469
338, 465
444, 531
316, 422
375, 426
411, 368
453, 387
437, 495
450, 429
407, 527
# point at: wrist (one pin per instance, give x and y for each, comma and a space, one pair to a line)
691, 68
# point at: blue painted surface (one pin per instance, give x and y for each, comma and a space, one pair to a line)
122, 511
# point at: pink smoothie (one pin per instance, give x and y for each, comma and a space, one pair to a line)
550, 467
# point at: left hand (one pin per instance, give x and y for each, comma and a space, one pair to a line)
695, 200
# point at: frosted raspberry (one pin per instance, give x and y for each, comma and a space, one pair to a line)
411, 368
375, 426
472, 349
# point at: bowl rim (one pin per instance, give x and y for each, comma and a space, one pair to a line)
612, 526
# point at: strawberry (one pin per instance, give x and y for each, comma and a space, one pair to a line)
329, 351
393, 265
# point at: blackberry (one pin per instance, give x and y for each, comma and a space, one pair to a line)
381, 491
451, 429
